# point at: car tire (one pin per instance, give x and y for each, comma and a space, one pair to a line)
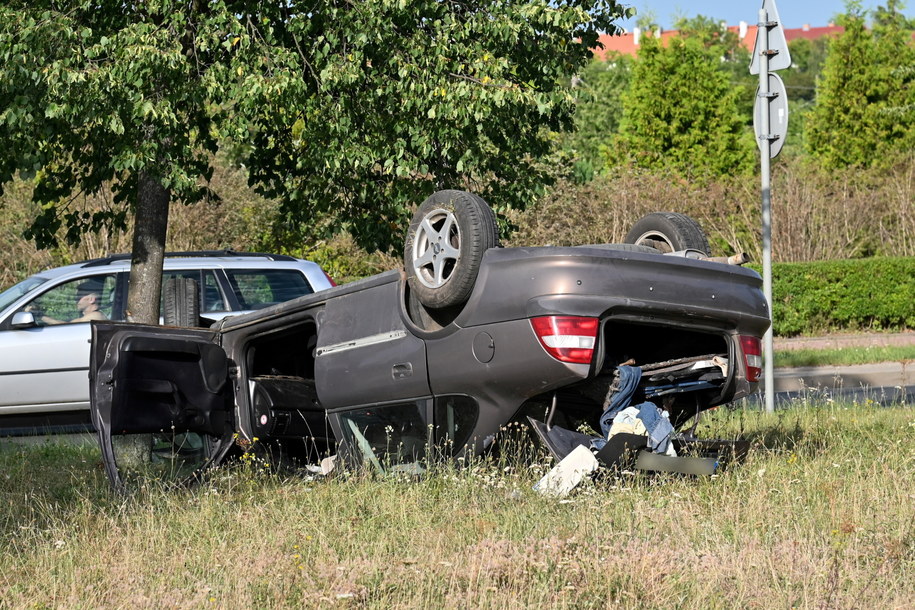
181, 302
448, 236
669, 232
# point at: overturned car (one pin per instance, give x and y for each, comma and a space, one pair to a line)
441, 355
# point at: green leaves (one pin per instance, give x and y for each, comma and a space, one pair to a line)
399, 99
97, 94
865, 105
349, 112
681, 112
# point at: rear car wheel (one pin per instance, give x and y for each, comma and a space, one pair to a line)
181, 302
445, 244
669, 232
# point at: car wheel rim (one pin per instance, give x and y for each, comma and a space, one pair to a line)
436, 248
656, 240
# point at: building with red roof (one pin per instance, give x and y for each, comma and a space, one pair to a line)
628, 43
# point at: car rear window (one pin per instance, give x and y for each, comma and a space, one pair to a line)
256, 288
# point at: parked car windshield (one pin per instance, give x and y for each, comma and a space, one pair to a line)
17, 290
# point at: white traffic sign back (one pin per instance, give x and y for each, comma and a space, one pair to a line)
776, 104
779, 57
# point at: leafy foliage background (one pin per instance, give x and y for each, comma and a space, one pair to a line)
322, 150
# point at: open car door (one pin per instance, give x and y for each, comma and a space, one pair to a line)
161, 401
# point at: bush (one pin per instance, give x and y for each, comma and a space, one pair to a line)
867, 294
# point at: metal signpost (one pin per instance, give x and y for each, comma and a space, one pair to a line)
770, 121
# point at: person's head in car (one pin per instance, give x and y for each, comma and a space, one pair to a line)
88, 295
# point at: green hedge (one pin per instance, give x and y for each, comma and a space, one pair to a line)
858, 294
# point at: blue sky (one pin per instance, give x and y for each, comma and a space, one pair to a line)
794, 13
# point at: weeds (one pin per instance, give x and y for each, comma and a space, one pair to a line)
819, 515
844, 356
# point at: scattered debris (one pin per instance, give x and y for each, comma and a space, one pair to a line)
568, 473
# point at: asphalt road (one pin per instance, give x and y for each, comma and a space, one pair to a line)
885, 383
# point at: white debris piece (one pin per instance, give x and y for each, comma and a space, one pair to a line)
325, 468
328, 464
568, 473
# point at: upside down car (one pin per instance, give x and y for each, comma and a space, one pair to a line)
440, 355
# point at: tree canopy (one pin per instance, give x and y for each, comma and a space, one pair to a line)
680, 111
349, 112
865, 105
599, 89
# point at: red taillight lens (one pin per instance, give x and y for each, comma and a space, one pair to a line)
330, 279
752, 355
567, 338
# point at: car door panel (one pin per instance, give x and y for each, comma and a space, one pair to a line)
365, 354
161, 381
52, 358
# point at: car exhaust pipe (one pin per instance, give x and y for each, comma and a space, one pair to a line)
735, 259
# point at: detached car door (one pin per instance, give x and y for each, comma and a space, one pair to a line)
161, 401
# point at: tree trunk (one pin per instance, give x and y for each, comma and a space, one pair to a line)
149, 234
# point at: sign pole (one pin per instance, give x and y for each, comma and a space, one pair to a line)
762, 47
770, 122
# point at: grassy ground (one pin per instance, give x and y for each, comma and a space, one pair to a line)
821, 515
844, 356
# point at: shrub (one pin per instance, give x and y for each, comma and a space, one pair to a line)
872, 294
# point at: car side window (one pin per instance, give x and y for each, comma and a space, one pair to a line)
81, 300
257, 288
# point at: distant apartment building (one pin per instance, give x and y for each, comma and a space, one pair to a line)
628, 43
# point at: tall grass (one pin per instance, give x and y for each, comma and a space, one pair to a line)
820, 515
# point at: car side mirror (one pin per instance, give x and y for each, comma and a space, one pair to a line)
23, 319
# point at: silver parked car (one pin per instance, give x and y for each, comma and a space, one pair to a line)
44, 330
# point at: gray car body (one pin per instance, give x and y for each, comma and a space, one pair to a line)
356, 347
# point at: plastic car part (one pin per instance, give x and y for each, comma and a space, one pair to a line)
444, 247
567, 338
628, 451
568, 473
677, 464
669, 232
752, 353
181, 302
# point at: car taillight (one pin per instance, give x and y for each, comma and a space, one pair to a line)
567, 338
330, 279
752, 355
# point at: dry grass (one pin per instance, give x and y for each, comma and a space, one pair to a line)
816, 215
820, 516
